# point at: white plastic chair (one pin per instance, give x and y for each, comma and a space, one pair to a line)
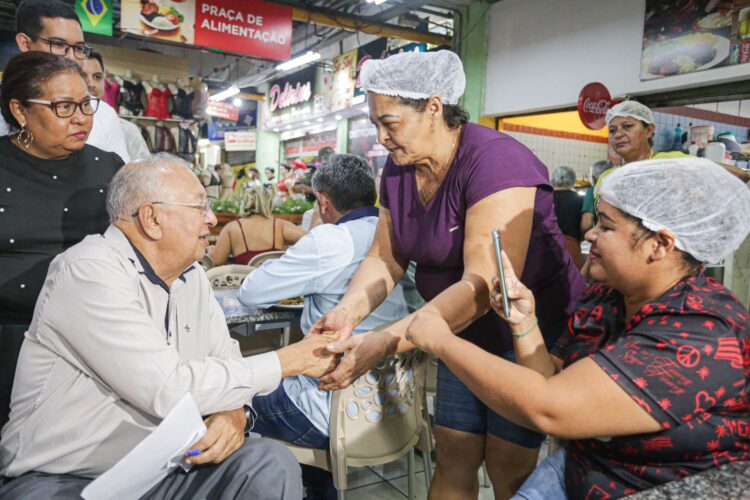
376, 420
262, 257
229, 276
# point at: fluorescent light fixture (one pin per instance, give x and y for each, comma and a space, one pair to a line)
237, 102
289, 127
365, 109
307, 122
319, 120
220, 96
275, 130
358, 99
338, 117
305, 58
376, 2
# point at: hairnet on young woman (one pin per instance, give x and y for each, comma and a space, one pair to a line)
632, 109
705, 207
416, 75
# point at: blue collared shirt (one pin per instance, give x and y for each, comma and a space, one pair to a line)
319, 267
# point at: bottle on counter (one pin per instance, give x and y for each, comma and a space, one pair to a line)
716, 151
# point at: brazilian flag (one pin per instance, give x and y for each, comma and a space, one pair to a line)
95, 16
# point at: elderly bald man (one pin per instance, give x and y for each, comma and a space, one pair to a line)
125, 325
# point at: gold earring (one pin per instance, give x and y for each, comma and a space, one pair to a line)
25, 137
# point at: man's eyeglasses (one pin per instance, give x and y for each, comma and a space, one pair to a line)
204, 207
66, 109
60, 48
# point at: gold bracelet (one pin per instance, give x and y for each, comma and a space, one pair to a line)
521, 335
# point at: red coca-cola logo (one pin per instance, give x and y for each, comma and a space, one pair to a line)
593, 103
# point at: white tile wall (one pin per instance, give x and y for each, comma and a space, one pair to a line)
556, 151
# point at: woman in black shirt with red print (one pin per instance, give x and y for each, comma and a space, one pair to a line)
650, 384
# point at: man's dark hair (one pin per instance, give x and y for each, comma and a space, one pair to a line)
30, 13
325, 153
26, 76
96, 55
347, 180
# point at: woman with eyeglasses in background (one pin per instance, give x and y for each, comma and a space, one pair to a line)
52, 185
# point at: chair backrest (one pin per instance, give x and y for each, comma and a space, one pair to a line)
229, 276
207, 262
262, 257
379, 417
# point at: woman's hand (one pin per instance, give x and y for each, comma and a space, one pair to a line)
522, 304
336, 321
361, 351
428, 330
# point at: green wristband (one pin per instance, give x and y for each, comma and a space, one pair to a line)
521, 335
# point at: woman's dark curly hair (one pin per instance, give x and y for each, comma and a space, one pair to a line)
25, 77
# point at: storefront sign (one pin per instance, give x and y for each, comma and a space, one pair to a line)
593, 103
248, 118
309, 145
289, 95
344, 75
95, 16
250, 27
291, 98
685, 37
239, 141
223, 110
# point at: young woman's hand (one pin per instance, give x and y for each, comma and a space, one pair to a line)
522, 304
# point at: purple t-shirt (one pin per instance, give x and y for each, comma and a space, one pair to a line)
433, 235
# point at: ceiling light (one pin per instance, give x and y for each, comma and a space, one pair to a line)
305, 58
237, 102
220, 96
307, 122
319, 120
338, 117
288, 127
376, 2
276, 130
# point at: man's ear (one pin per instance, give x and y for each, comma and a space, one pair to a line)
324, 203
23, 40
149, 221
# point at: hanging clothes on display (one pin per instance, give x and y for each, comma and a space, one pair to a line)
163, 139
130, 98
147, 137
200, 102
112, 93
182, 104
187, 143
158, 103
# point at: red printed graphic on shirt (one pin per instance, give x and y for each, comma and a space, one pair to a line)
685, 359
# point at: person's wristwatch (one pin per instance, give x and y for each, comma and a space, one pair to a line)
250, 415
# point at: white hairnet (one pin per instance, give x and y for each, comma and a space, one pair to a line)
705, 207
631, 109
416, 75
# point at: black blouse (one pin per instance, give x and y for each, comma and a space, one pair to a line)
46, 206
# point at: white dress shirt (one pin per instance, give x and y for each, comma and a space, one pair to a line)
106, 131
111, 349
319, 267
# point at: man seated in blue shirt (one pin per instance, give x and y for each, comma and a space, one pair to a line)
319, 268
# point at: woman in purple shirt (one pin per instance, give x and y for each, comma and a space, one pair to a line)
446, 185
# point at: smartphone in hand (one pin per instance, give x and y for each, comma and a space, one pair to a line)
501, 272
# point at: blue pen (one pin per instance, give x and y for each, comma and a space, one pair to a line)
193, 453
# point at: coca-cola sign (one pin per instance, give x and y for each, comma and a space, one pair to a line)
593, 103
289, 95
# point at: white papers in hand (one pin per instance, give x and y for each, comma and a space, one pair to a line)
152, 459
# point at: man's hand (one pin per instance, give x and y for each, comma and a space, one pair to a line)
336, 321
225, 434
362, 352
428, 330
308, 357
